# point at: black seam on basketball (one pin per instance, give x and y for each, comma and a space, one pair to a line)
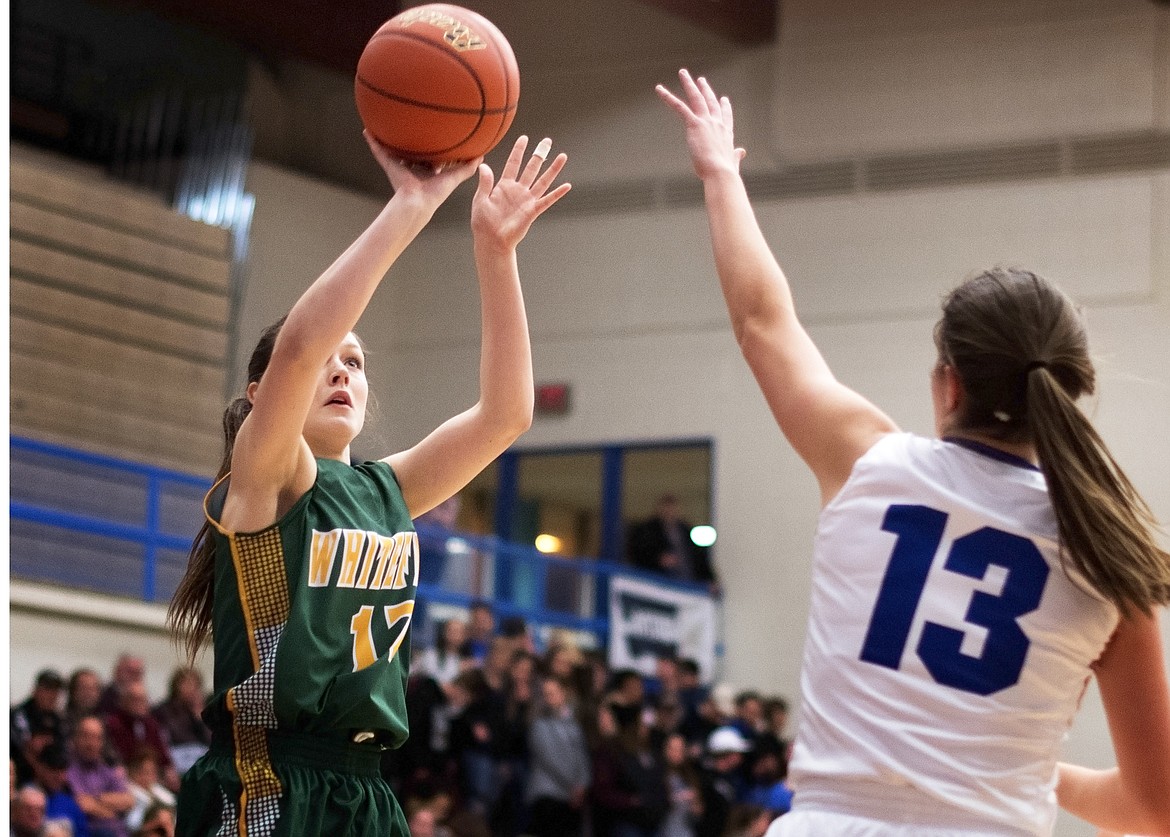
410, 36
507, 85
430, 106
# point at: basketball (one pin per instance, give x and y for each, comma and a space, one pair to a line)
437, 83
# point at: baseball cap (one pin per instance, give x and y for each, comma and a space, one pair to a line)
49, 679
727, 740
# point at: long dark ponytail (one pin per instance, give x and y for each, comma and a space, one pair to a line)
190, 611
1019, 346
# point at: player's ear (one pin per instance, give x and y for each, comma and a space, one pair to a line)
251, 391
947, 396
953, 394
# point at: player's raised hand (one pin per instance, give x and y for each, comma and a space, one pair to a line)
502, 211
709, 124
430, 183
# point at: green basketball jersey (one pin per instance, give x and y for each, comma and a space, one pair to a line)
311, 630
312, 616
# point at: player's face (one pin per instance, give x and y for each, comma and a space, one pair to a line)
339, 406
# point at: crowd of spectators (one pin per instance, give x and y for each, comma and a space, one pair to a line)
505, 740
510, 740
94, 759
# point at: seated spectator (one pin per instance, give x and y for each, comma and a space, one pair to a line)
100, 789
691, 693
666, 679
158, 821
776, 721
481, 629
128, 669
180, 718
495, 664
559, 765
724, 782
561, 660
27, 817
142, 776
516, 629
131, 727
447, 657
424, 822
749, 715
629, 790
627, 689
60, 803
667, 720
716, 710
422, 767
766, 786
590, 679
516, 708
474, 740
686, 790
747, 820
35, 724
82, 697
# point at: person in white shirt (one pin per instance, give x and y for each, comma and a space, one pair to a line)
142, 777
965, 588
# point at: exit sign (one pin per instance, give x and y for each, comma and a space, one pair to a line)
552, 399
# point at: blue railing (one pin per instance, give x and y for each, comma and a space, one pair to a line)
94, 522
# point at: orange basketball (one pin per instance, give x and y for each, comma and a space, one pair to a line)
437, 83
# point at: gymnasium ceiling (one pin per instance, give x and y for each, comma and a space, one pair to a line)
331, 35
307, 51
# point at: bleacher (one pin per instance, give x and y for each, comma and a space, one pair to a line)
119, 317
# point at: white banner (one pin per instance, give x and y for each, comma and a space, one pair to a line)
648, 621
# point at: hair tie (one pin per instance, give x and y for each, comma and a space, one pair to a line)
1035, 364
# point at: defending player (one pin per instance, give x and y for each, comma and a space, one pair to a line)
964, 588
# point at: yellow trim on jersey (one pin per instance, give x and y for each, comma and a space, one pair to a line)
207, 511
245, 605
262, 589
237, 757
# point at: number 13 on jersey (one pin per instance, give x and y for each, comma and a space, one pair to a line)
919, 531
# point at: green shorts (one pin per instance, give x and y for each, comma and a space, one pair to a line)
276, 784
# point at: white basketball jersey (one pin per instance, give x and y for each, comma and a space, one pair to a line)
947, 649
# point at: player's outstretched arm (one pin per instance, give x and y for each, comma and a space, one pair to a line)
828, 424
270, 455
1134, 797
502, 213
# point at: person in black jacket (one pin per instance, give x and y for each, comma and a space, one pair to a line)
662, 544
475, 740
630, 790
34, 725
724, 782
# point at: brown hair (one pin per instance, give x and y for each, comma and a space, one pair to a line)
1019, 347
189, 614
